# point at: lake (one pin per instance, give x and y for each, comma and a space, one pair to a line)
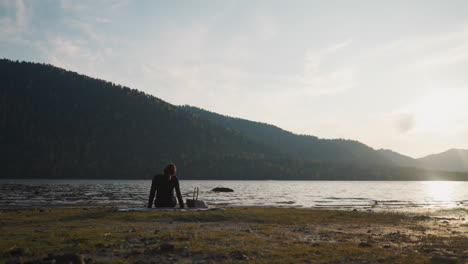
369, 195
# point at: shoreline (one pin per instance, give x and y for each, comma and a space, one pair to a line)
233, 235
435, 212
404, 210
285, 180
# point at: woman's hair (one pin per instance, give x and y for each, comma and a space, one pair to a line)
170, 169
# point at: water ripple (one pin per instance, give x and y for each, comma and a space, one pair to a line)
307, 194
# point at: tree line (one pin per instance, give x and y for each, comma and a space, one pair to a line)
59, 124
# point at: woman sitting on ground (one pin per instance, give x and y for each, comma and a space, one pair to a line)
163, 185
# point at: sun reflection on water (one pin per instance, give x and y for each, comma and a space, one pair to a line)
441, 191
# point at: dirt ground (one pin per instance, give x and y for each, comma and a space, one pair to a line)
232, 235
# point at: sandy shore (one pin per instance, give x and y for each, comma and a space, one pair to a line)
233, 235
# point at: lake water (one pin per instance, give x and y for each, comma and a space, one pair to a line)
374, 195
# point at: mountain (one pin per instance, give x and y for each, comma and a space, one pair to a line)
298, 146
59, 124
450, 160
397, 158
335, 150
55, 123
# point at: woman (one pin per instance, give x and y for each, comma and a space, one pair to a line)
163, 185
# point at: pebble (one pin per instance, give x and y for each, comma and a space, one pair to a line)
444, 260
17, 252
239, 255
68, 258
166, 247
364, 244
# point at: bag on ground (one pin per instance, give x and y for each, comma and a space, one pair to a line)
194, 202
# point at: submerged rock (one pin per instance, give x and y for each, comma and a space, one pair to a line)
222, 189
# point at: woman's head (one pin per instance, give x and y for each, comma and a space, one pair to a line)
170, 169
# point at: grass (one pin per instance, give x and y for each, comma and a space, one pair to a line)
234, 235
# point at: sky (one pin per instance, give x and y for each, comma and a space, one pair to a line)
391, 74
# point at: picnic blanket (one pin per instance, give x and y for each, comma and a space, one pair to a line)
169, 209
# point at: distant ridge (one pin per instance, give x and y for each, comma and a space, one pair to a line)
450, 160
338, 150
398, 159
299, 146
56, 123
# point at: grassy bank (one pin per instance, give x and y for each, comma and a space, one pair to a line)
249, 235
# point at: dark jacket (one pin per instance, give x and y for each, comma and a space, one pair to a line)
164, 190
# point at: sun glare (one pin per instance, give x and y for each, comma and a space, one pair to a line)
440, 191
440, 112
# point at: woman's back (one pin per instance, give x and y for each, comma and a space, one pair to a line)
163, 186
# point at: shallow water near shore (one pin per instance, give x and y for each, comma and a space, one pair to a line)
373, 195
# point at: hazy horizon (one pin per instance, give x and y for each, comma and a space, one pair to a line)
390, 75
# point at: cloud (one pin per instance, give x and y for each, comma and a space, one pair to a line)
404, 122
102, 20
314, 58
7, 27
87, 30
182, 61
318, 80
15, 22
15, 28
266, 27
442, 58
338, 47
65, 46
21, 18
75, 55
118, 4
74, 5
441, 112
229, 80
421, 53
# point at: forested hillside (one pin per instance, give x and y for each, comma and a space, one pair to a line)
452, 160
398, 159
59, 124
298, 146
